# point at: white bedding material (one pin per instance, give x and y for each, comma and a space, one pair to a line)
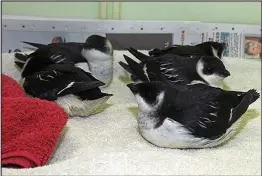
109, 142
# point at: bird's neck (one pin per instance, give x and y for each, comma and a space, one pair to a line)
100, 64
93, 55
147, 120
198, 68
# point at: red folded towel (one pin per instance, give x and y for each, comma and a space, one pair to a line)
30, 127
8, 84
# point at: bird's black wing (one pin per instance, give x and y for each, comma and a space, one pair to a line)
59, 80
173, 67
45, 56
68, 44
180, 50
141, 70
210, 112
197, 111
149, 66
158, 52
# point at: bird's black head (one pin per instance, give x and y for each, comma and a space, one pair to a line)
99, 43
212, 70
97, 47
215, 49
149, 95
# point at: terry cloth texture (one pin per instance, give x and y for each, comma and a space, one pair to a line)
30, 127
108, 143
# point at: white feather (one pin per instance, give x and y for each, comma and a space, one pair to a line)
145, 107
84, 66
41, 78
18, 60
77, 107
67, 87
61, 60
230, 117
93, 55
222, 54
50, 76
100, 65
145, 71
25, 65
56, 56
196, 82
213, 114
215, 52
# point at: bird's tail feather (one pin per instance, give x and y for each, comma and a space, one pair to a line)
20, 59
37, 45
249, 97
126, 67
155, 52
140, 56
136, 68
107, 95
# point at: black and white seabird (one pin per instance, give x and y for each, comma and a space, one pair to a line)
178, 69
70, 87
193, 116
215, 49
95, 55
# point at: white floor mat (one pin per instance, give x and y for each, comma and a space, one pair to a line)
109, 143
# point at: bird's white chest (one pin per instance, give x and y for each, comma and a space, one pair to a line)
77, 107
102, 70
170, 134
100, 64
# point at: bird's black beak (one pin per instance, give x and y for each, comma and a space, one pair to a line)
134, 78
225, 73
223, 45
86, 46
133, 87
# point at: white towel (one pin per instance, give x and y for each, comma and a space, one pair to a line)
109, 143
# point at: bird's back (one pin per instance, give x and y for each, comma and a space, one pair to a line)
70, 54
185, 50
57, 77
176, 67
198, 109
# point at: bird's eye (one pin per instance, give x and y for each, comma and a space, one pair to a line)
209, 70
150, 97
148, 94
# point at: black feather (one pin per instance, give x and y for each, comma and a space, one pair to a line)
202, 49
126, 67
51, 54
37, 45
136, 68
140, 56
57, 80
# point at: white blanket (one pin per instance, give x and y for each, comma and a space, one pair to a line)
109, 142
